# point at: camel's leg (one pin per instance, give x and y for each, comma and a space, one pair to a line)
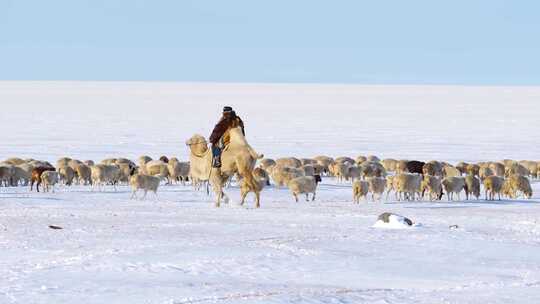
243, 197
218, 199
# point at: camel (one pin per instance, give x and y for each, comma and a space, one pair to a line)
237, 157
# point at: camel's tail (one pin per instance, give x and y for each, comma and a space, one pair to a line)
254, 154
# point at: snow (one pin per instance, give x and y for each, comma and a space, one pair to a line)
178, 248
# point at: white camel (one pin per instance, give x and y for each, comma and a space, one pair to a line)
237, 157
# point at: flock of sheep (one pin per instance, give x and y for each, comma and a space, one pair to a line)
146, 176
408, 179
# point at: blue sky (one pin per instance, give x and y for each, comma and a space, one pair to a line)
379, 41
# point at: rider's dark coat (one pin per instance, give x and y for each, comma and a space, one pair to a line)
223, 126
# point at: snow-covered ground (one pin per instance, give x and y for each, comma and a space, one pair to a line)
178, 248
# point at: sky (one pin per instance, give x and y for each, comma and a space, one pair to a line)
471, 42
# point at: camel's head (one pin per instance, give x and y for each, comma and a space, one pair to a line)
197, 144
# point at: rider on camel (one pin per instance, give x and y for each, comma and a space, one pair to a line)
220, 137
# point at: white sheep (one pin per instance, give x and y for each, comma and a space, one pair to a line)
360, 159
109, 161
15, 161
391, 185
67, 174
517, 183
266, 163
84, 174
433, 168
324, 162
408, 185
308, 169
493, 185
346, 160
484, 172
449, 171
156, 168
308, 161
289, 162
6, 174
354, 173
373, 158
376, 187
340, 170
304, 185
360, 190
261, 180
497, 168
453, 184
372, 169
49, 179
178, 171
143, 182
389, 164
431, 185
63, 161
282, 175
143, 160
515, 168
21, 174
472, 186
104, 174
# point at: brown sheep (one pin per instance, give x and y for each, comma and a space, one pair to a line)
36, 176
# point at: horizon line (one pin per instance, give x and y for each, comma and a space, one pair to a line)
308, 83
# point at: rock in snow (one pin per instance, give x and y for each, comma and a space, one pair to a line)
393, 221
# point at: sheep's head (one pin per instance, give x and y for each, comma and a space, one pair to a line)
528, 193
133, 171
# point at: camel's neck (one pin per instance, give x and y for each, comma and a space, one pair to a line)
201, 154
237, 137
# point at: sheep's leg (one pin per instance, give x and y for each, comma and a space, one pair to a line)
257, 199
145, 193
313, 198
458, 196
307, 197
133, 194
295, 197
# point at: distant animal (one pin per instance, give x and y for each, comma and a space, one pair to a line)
36, 176
414, 166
